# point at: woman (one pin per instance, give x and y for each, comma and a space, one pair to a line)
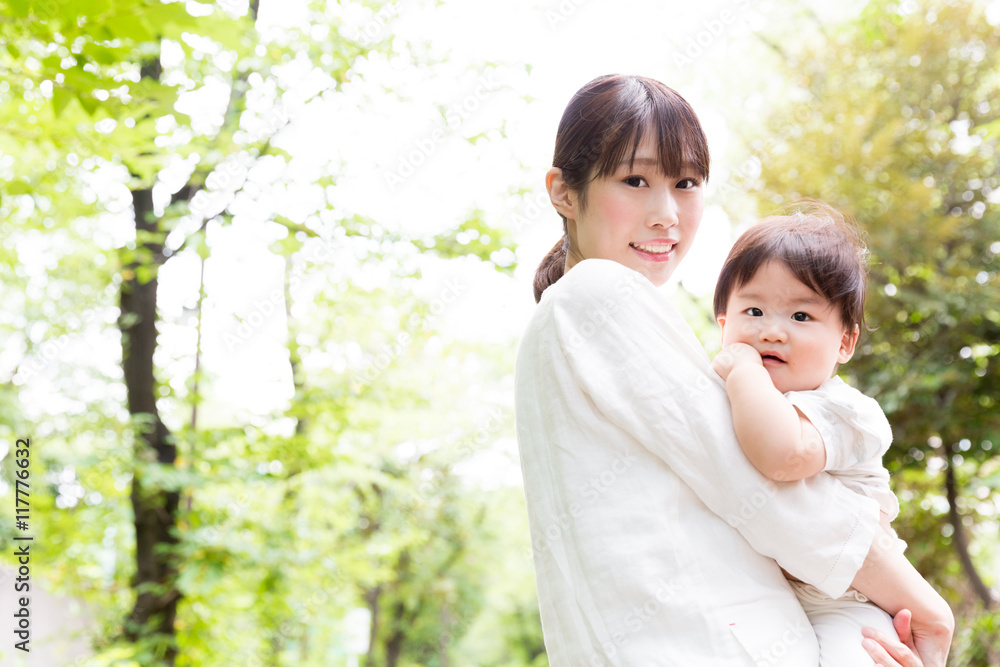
654, 538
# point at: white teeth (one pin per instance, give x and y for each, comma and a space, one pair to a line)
655, 249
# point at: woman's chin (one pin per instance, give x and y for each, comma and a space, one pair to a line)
657, 274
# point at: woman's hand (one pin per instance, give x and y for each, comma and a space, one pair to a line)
887, 651
732, 356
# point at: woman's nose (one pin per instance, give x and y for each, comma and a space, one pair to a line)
664, 210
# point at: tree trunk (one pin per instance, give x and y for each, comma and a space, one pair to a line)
372, 598
277, 623
155, 509
961, 545
394, 645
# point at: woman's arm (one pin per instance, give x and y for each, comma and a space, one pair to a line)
778, 439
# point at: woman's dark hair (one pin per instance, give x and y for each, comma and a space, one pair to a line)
602, 126
817, 244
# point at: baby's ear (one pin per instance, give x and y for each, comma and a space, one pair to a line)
721, 319
847, 344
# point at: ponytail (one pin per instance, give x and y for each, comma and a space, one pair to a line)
552, 267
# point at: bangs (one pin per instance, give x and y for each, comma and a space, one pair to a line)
821, 249
643, 107
790, 249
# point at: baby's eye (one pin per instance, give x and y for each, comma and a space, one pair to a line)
754, 312
688, 184
801, 317
634, 181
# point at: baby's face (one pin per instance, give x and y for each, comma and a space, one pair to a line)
798, 333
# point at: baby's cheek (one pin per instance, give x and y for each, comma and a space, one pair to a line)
739, 334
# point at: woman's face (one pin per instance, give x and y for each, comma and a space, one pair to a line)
638, 217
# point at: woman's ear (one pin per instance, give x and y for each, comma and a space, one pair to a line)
847, 344
560, 194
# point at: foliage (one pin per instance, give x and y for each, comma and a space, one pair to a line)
892, 118
292, 515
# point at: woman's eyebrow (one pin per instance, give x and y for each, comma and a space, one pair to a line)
685, 168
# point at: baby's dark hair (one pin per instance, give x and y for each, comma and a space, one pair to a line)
818, 245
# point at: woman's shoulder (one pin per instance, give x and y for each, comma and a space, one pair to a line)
595, 280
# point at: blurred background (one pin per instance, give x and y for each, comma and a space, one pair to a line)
264, 267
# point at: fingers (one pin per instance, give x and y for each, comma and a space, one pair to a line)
878, 654
901, 622
888, 651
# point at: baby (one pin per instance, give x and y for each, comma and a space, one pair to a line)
790, 301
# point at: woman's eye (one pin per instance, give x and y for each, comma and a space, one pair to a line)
754, 312
801, 317
634, 181
688, 184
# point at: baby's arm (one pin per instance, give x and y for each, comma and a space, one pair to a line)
785, 446
889, 580
777, 439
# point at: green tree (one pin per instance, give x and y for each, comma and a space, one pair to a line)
893, 119
220, 538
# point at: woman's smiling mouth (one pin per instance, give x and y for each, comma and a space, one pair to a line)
655, 250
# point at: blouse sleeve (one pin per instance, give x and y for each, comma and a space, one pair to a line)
853, 426
639, 363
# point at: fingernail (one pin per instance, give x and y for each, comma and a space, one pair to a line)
868, 632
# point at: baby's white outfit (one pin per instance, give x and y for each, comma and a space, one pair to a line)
855, 435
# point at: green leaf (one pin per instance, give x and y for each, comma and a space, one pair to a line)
89, 104
18, 9
130, 27
61, 99
990, 129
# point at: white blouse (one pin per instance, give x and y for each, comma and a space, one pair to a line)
653, 536
855, 435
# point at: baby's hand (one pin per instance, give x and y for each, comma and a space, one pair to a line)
735, 355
